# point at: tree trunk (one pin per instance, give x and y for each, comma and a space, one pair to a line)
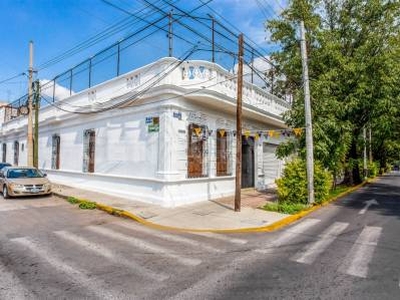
352, 172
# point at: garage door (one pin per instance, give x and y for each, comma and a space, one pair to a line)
271, 164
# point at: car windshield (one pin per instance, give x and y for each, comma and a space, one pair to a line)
24, 173
4, 165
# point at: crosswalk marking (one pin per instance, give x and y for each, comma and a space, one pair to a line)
11, 207
75, 275
290, 234
170, 237
312, 251
356, 262
143, 245
8, 207
107, 253
10, 285
220, 237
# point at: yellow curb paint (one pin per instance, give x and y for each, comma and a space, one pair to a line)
268, 228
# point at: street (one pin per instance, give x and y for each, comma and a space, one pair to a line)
349, 249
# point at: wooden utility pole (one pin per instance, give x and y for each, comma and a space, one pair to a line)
30, 110
238, 179
36, 131
307, 107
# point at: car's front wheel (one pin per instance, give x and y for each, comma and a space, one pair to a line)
5, 192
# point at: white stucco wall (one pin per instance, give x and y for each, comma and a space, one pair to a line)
137, 164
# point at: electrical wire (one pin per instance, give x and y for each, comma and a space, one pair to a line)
113, 29
130, 97
247, 38
11, 78
159, 28
246, 45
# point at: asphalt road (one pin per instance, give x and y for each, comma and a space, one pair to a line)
50, 249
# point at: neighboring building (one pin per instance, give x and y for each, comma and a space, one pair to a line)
166, 135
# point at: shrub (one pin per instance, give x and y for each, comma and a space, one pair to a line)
72, 200
292, 187
87, 205
373, 169
284, 207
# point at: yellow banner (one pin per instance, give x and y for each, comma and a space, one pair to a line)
221, 132
297, 131
271, 133
197, 131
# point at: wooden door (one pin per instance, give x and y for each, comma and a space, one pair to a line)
195, 152
247, 162
55, 164
4, 152
222, 153
92, 144
16, 153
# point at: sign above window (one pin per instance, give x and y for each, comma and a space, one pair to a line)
153, 124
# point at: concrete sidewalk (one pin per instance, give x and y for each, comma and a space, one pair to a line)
208, 215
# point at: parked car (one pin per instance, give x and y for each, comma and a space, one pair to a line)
23, 181
3, 165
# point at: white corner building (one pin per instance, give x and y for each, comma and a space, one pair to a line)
164, 134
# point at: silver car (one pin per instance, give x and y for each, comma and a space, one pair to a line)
23, 181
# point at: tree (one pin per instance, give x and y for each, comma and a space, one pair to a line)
352, 46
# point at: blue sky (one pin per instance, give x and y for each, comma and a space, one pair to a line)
57, 25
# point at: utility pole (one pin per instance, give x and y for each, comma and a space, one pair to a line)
36, 131
30, 96
370, 143
365, 151
170, 46
307, 106
238, 178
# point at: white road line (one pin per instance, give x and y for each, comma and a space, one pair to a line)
169, 237
144, 245
220, 237
313, 250
11, 287
92, 286
107, 253
290, 234
8, 207
356, 262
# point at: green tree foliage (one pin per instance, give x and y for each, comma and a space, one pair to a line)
292, 187
353, 55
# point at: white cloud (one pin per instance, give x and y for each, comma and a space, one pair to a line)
250, 16
261, 66
60, 92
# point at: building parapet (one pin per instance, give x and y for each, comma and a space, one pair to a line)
191, 75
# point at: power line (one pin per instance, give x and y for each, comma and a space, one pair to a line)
252, 49
117, 27
12, 77
247, 38
128, 12
130, 98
